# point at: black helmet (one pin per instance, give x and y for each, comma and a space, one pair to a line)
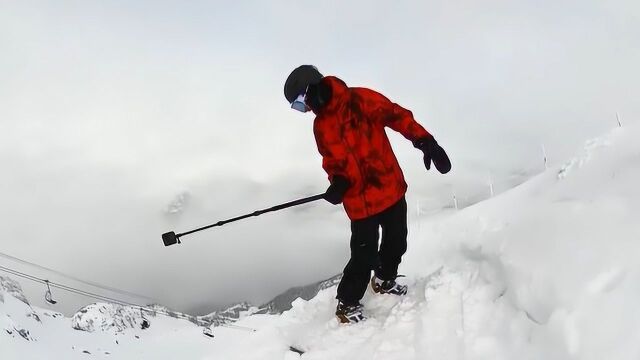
299, 79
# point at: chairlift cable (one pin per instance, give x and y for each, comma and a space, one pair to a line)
173, 314
88, 294
86, 282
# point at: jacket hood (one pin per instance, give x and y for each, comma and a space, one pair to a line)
338, 91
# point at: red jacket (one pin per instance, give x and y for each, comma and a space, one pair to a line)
349, 132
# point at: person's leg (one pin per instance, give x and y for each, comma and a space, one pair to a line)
364, 258
394, 240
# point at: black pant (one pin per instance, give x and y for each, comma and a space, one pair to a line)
365, 255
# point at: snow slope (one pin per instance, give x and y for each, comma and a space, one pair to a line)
33, 333
547, 270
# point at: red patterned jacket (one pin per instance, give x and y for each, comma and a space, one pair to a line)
349, 132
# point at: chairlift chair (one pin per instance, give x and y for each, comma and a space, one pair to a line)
206, 331
47, 294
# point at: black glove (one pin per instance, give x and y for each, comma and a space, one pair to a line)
336, 190
433, 152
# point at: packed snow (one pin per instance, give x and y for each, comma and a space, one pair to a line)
546, 270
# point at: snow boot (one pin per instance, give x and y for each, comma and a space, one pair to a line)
349, 314
380, 286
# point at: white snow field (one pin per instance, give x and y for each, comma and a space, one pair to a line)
547, 270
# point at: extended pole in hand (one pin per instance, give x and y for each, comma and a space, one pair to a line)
171, 238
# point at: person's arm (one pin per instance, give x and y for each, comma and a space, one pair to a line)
393, 115
401, 120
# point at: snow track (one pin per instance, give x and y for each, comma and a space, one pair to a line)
433, 318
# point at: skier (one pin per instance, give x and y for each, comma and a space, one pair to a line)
364, 175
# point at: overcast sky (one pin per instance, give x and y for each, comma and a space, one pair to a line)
112, 110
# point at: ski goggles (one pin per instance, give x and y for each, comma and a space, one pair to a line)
299, 104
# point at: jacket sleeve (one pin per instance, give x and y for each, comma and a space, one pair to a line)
396, 117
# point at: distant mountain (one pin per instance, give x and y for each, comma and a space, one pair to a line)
229, 315
13, 288
277, 305
282, 302
107, 317
114, 317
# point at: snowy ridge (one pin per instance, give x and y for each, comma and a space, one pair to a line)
34, 333
11, 295
283, 302
109, 317
590, 147
231, 314
278, 305
13, 288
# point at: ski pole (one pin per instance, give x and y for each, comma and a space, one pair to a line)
171, 237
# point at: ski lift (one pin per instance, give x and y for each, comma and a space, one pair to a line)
145, 323
206, 331
47, 294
